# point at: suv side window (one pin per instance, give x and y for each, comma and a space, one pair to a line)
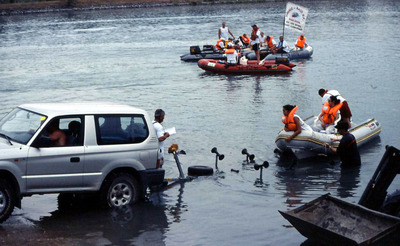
61, 132
121, 129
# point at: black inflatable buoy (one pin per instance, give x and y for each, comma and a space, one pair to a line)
200, 170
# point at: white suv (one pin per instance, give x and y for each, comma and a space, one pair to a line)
99, 147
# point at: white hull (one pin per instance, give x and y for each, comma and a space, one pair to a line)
311, 143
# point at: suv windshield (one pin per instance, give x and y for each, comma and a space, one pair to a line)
20, 125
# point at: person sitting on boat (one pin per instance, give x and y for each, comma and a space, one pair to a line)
292, 121
220, 45
347, 149
301, 42
262, 39
224, 32
231, 55
329, 114
245, 40
345, 111
282, 46
271, 44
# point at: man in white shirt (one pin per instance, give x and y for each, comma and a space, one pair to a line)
161, 134
223, 32
282, 46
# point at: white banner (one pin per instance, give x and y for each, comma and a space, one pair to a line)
295, 17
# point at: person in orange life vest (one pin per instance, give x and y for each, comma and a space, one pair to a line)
231, 55
292, 122
329, 111
255, 41
301, 42
345, 111
220, 45
271, 44
245, 40
224, 32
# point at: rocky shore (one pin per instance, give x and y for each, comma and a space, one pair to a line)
67, 5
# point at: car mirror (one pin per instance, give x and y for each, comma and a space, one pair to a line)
42, 141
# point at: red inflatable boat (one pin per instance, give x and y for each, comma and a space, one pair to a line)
267, 67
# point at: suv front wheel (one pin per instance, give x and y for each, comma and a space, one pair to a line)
122, 190
7, 200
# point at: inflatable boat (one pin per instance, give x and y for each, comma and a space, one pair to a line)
311, 142
294, 54
208, 52
267, 67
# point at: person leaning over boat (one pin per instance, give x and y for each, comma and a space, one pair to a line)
271, 44
301, 42
347, 149
255, 41
245, 40
159, 115
345, 111
282, 46
329, 114
231, 55
223, 32
292, 121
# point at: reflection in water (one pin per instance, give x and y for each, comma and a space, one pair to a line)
143, 222
348, 181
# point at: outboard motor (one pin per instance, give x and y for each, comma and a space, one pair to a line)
208, 47
282, 60
195, 50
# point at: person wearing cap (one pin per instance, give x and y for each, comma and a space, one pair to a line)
345, 111
231, 55
161, 134
301, 42
255, 41
347, 149
220, 45
224, 32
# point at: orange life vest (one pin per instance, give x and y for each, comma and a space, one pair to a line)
230, 51
328, 113
300, 43
289, 120
245, 39
254, 34
217, 45
270, 44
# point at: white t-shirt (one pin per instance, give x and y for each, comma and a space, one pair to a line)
332, 93
303, 125
284, 45
224, 32
232, 58
160, 132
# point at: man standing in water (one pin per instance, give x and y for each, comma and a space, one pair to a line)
161, 134
347, 149
223, 32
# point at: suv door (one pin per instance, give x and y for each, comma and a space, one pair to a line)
54, 165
